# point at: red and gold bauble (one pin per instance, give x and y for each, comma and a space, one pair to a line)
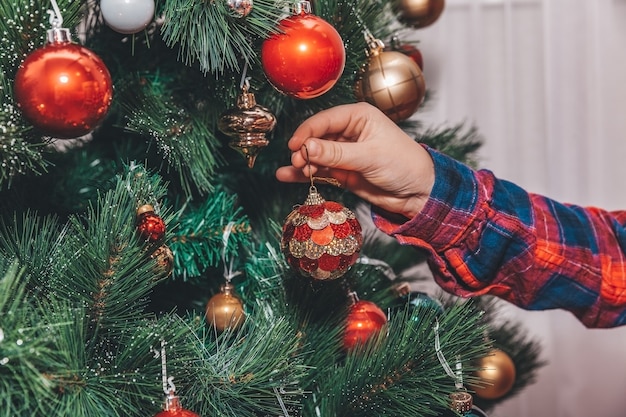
150, 225
225, 310
247, 124
306, 56
321, 239
497, 374
364, 320
62, 88
418, 13
392, 82
173, 408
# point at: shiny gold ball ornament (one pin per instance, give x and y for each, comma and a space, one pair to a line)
391, 81
224, 310
497, 374
418, 13
247, 124
321, 239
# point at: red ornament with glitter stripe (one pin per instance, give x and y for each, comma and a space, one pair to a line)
321, 239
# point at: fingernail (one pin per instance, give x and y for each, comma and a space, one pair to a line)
312, 148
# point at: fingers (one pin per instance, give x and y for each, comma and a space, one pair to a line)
316, 153
342, 120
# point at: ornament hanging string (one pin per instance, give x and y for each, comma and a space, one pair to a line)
168, 383
458, 375
56, 20
327, 180
245, 81
228, 265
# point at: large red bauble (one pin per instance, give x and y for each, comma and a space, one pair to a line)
364, 319
306, 58
63, 89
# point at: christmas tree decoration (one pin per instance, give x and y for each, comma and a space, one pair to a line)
224, 310
321, 239
497, 374
418, 13
391, 81
63, 89
305, 57
164, 260
173, 408
364, 320
150, 225
247, 124
241, 7
127, 16
461, 402
420, 300
407, 49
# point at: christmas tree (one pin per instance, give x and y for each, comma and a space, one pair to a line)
146, 266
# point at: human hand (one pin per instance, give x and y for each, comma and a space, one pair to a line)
368, 154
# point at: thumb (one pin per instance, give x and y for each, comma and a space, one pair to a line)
330, 154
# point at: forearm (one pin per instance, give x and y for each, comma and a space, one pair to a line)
488, 236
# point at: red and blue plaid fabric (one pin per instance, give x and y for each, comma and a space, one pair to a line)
485, 235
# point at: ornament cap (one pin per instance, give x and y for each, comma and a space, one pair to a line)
59, 35
246, 100
172, 402
461, 401
314, 198
227, 288
302, 7
375, 45
146, 208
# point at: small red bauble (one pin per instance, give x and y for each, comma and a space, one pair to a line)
410, 51
321, 239
63, 88
305, 58
149, 225
364, 320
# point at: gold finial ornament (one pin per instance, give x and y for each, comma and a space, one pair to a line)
247, 124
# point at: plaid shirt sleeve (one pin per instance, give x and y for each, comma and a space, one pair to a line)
485, 235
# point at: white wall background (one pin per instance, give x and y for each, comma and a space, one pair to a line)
544, 81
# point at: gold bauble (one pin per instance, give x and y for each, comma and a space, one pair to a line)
497, 374
247, 124
393, 82
225, 310
418, 13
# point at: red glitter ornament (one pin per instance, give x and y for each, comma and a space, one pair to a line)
63, 88
321, 239
149, 224
306, 56
364, 320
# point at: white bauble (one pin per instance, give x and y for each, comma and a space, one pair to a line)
127, 16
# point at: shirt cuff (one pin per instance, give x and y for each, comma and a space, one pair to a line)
452, 207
